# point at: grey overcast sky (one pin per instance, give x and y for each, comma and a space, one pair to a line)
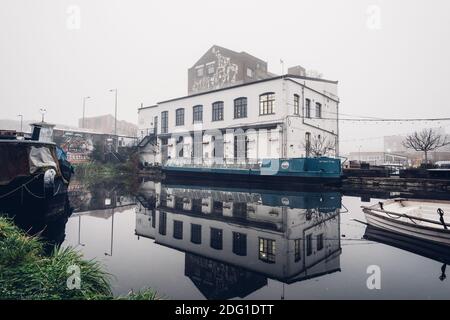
399, 67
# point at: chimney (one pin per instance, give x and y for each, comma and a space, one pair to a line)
297, 71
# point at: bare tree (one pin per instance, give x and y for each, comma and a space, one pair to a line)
318, 146
426, 140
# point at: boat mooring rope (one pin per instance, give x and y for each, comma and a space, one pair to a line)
441, 217
20, 187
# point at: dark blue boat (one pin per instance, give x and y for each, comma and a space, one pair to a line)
294, 171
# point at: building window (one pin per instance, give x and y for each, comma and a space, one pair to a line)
216, 239
196, 206
240, 108
162, 223
178, 203
179, 117
296, 104
197, 114
249, 73
266, 102
308, 108
155, 125
196, 233
267, 250
164, 121
210, 68
240, 244
320, 242
200, 71
217, 111
217, 208
309, 245
318, 110
297, 250
240, 209
178, 229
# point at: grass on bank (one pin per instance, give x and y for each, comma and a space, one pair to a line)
27, 273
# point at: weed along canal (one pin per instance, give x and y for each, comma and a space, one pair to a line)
224, 242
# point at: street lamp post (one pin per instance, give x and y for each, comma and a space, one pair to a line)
21, 122
115, 118
84, 110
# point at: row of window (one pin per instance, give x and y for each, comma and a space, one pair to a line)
267, 248
266, 107
318, 108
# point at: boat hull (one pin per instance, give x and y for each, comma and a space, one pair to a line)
268, 181
30, 191
383, 222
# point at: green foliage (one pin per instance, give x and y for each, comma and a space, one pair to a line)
26, 273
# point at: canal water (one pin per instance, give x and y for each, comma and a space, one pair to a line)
204, 242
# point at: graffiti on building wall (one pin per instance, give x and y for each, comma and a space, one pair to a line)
77, 146
225, 72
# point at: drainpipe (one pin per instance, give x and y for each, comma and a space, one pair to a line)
337, 129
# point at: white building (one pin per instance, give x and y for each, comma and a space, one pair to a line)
277, 117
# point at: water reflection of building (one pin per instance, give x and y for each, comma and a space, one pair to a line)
235, 239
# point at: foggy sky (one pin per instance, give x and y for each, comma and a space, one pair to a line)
144, 48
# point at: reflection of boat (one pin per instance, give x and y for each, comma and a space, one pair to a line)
48, 222
421, 219
32, 170
246, 233
426, 249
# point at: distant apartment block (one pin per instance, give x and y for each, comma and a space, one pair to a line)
105, 124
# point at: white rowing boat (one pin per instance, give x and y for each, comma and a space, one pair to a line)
422, 219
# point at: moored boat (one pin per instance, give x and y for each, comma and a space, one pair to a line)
32, 170
420, 219
294, 171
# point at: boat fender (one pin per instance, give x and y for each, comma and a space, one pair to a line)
441, 218
49, 182
381, 205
